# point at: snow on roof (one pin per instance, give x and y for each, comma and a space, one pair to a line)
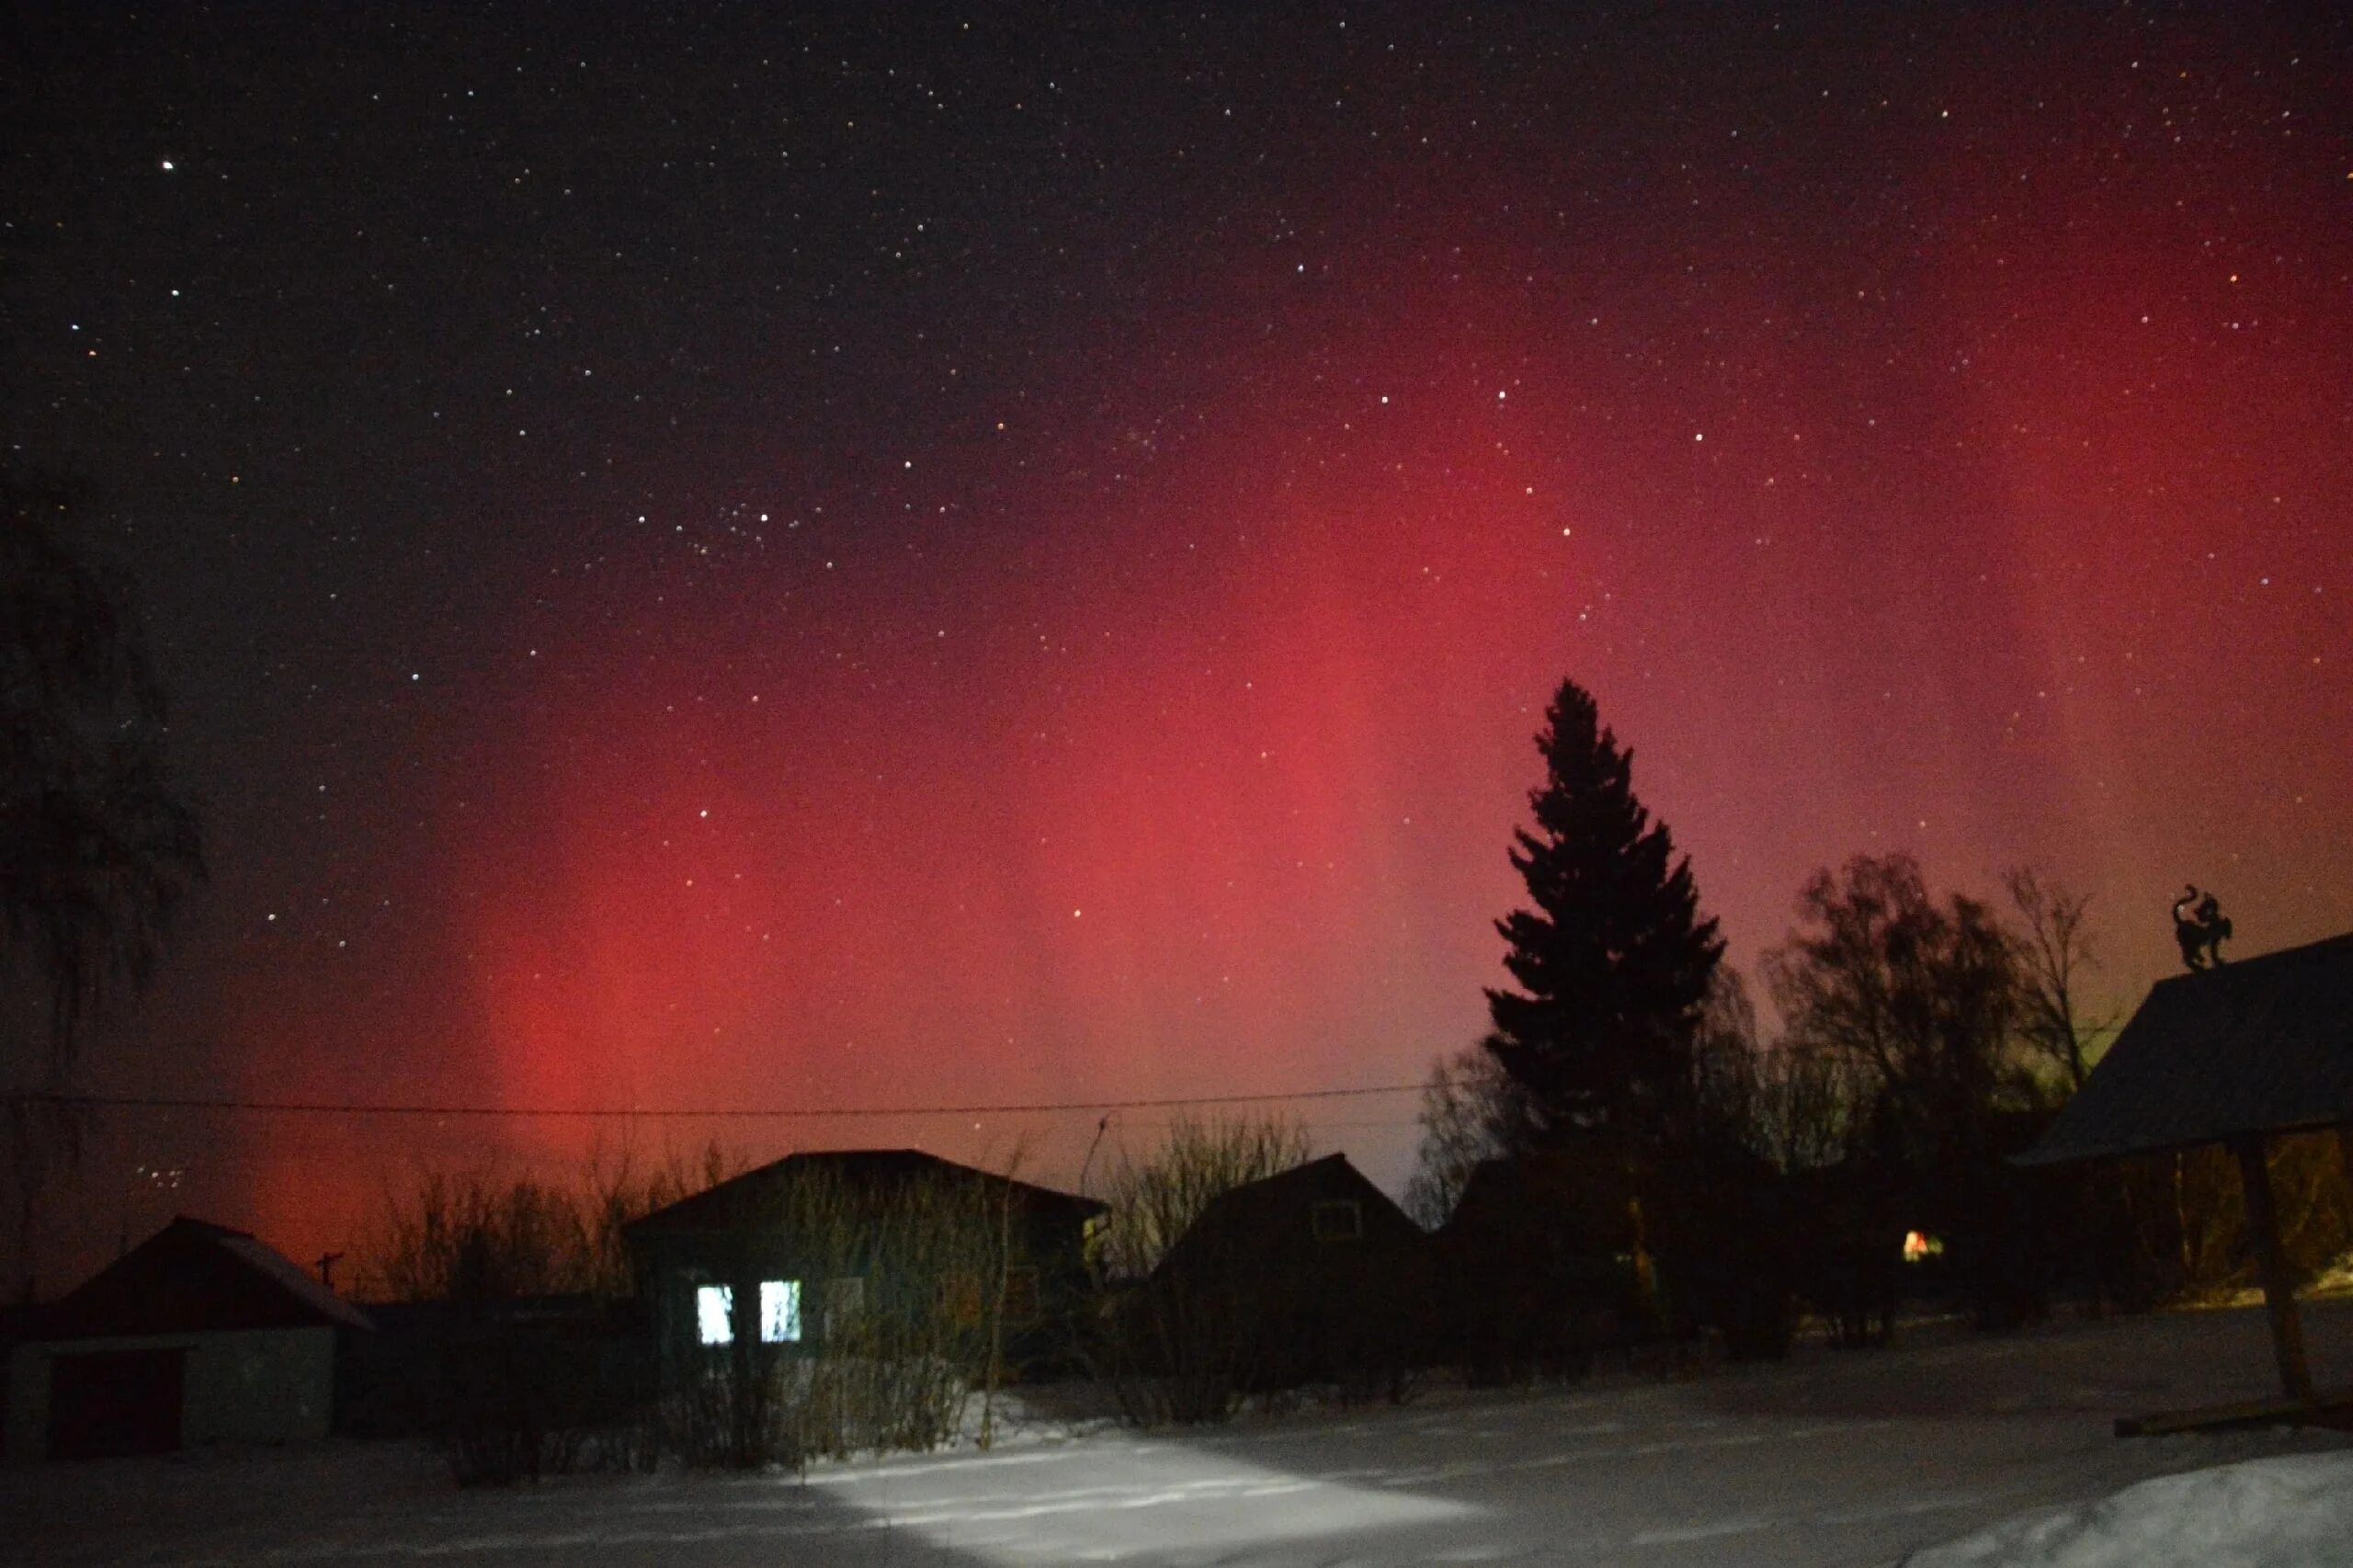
194, 1276
293, 1279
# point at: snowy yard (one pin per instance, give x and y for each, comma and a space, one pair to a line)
1854, 1457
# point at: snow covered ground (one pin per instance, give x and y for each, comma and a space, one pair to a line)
2292, 1512
1834, 1459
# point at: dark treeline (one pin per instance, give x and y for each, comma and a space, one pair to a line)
1714, 1178
1628, 1165
1630, 1162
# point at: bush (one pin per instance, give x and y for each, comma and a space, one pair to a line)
530, 1359
1185, 1349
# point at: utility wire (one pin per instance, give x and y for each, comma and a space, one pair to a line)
605, 1113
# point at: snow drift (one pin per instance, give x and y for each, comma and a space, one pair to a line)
2292, 1512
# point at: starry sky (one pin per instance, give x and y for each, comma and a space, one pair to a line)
794, 556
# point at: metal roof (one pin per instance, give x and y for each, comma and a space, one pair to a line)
191, 1276
2259, 1045
749, 1199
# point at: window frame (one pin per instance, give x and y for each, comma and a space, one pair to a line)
1324, 1208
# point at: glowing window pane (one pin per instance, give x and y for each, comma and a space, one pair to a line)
779, 1312
715, 1314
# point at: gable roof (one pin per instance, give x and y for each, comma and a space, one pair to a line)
2259, 1045
1331, 1176
1257, 1214
1545, 1188
195, 1276
748, 1199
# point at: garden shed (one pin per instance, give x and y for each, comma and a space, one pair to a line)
198, 1334
2238, 1055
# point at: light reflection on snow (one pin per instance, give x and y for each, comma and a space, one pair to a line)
1176, 1498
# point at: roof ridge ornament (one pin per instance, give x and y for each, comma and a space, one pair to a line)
2201, 926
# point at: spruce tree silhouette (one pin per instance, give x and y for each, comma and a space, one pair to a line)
1614, 961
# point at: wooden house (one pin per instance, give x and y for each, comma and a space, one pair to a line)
1317, 1266
799, 1254
1545, 1261
1550, 1256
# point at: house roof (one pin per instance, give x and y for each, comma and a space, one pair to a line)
195, 1276
747, 1199
2259, 1045
1254, 1212
1577, 1193
1308, 1180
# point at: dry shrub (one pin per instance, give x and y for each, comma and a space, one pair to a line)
2184, 1215
479, 1235
902, 1293
1185, 1348
525, 1356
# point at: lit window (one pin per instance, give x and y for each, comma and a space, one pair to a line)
715, 1314
1920, 1247
779, 1312
1336, 1222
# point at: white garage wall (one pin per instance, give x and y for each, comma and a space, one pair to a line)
267, 1385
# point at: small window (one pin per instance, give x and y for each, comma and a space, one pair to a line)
845, 1298
960, 1299
715, 1314
779, 1312
1021, 1294
1338, 1221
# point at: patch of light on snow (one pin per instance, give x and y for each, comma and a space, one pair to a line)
1689, 1533
2337, 1279
1177, 1497
2293, 1512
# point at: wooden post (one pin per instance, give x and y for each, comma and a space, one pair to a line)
2279, 1288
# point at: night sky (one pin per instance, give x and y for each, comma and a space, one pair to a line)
753, 556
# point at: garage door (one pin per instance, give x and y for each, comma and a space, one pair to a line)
103, 1402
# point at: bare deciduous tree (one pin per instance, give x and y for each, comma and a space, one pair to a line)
496, 1236
99, 849
1918, 998
1921, 995
1472, 1110
510, 1396
2054, 953
1184, 1349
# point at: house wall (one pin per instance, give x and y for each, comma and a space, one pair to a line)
268, 1385
673, 1265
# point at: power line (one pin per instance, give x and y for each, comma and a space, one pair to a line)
609, 1113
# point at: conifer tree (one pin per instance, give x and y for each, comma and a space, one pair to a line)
1613, 961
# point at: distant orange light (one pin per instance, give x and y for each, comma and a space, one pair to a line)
1920, 1247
